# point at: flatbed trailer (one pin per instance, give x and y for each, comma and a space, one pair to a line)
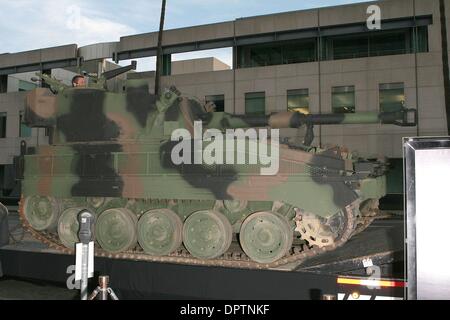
341, 274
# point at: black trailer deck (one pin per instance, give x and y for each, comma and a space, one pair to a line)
382, 242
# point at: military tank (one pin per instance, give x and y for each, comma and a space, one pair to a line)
112, 153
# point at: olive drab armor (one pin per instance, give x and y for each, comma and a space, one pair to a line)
112, 152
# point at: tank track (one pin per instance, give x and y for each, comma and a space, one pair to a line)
231, 259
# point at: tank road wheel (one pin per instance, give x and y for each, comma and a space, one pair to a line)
116, 230
160, 231
207, 234
68, 227
266, 236
41, 212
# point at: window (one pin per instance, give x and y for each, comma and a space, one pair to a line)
389, 43
2, 124
349, 47
26, 86
298, 52
25, 131
277, 53
334, 47
255, 103
298, 100
392, 97
421, 37
218, 100
343, 99
3, 83
2, 179
259, 56
376, 43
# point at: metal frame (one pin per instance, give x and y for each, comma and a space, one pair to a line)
410, 146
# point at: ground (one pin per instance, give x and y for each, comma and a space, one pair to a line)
15, 289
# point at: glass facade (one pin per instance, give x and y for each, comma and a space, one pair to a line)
255, 103
277, 53
392, 97
390, 43
343, 99
346, 47
218, 100
350, 46
298, 100
421, 39
377, 43
2, 125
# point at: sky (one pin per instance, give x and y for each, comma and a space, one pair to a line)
34, 24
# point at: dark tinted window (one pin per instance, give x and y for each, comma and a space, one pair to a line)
218, 100
255, 103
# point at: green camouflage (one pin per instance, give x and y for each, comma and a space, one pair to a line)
111, 152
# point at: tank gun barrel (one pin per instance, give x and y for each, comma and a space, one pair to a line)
404, 118
116, 72
281, 120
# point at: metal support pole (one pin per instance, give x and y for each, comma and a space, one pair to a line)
84, 265
84, 271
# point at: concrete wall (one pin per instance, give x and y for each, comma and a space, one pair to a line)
198, 65
39, 56
176, 36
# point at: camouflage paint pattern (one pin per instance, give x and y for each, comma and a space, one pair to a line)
109, 144
111, 152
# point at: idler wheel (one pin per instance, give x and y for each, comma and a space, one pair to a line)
266, 236
41, 212
207, 234
115, 230
159, 232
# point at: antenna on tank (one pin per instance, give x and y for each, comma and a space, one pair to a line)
159, 50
